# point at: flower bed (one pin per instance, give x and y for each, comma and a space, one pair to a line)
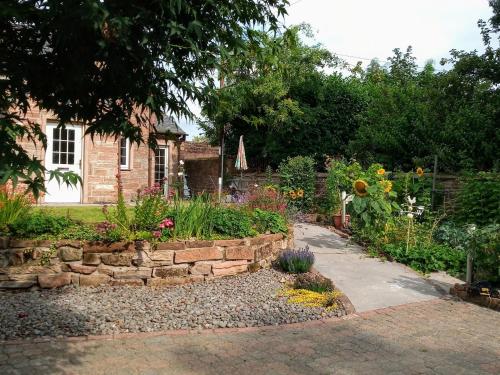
50, 264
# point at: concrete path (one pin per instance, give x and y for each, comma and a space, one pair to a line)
368, 282
435, 337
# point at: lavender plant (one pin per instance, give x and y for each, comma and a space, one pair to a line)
296, 261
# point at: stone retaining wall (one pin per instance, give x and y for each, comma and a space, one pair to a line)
49, 264
463, 292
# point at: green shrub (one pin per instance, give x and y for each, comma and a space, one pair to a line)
269, 222
314, 282
13, 207
428, 257
296, 261
233, 222
38, 223
483, 244
478, 199
298, 181
80, 232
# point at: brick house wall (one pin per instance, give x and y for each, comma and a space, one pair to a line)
100, 163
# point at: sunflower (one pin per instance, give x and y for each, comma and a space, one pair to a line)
292, 195
387, 185
381, 172
300, 193
360, 187
420, 172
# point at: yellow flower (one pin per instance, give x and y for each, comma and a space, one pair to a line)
381, 172
387, 185
420, 172
360, 187
293, 195
300, 193
308, 298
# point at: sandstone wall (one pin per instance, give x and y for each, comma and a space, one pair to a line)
50, 264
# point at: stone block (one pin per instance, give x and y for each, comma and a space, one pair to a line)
127, 282
38, 252
233, 270
117, 259
263, 251
12, 284
91, 259
171, 271
80, 268
254, 267
55, 280
170, 246
22, 243
133, 273
197, 254
69, 254
153, 258
226, 243
75, 279
107, 270
273, 237
16, 257
229, 264
107, 247
142, 245
239, 252
4, 242
171, 281
201, 269
94, 280
4, 259
256, 240
23, 277
196, 244
70, 243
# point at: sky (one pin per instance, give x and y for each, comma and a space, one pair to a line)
360, 30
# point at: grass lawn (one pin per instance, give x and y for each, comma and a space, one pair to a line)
86, 214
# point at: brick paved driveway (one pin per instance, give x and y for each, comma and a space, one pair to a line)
435, 337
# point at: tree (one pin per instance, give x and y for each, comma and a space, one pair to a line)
284, 104
112, 65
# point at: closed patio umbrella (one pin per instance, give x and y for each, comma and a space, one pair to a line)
241, 159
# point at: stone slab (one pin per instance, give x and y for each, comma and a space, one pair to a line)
197, 254
239, 252
55, 280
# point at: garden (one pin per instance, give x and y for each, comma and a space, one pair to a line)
399, 216
133, 252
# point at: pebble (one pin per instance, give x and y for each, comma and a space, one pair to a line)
239, 301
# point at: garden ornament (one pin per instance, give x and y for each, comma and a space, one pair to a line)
410, 214
345, 200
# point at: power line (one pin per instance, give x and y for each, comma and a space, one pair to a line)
373, 58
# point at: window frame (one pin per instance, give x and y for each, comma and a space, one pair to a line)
125, 166
165, 165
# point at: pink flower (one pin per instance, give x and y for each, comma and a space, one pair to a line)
168, 223
156, 234
161, 225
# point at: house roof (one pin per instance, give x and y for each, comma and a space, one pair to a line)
168, 125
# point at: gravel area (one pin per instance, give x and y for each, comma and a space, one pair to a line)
239, 301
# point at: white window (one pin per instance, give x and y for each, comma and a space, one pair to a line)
124, 153
161, 165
